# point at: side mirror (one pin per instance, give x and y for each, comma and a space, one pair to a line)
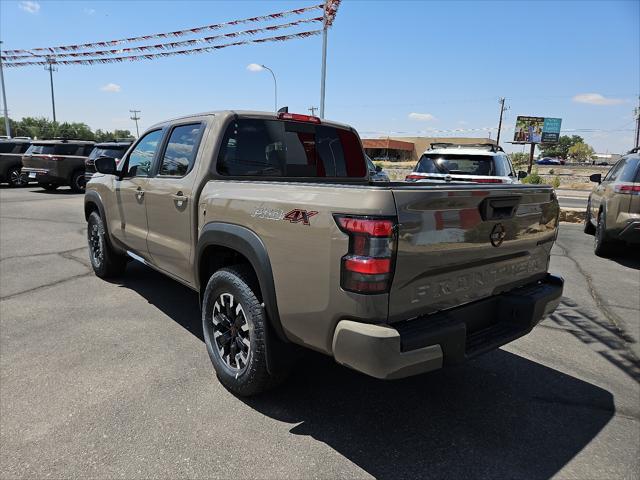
596, 178
378, 168
106, 165
522, 174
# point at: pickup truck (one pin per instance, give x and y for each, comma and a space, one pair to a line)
273, 220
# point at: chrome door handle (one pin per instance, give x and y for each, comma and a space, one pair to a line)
139, 194
179, 199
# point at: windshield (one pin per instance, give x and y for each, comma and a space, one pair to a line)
463, 164
113, 152
40, 150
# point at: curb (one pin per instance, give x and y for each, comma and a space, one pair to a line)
572, 215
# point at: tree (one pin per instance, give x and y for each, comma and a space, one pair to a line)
560, 149
581, 152
519, 159
42, 128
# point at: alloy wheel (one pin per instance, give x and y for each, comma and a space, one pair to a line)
231, 332
95, 245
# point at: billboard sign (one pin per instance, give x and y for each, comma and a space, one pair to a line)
537, 130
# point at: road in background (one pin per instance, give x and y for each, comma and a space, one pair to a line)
573, 198
111, 379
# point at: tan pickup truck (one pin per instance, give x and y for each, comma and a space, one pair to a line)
274, 221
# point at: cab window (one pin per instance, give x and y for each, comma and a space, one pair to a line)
141, 158
181, 150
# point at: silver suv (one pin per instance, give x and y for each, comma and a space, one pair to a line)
477, 163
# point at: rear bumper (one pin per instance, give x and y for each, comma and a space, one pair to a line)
447, 338
631, 233
42, 175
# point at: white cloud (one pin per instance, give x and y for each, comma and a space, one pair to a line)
90, 11
596, 99
30, 7
421, 117
111, 87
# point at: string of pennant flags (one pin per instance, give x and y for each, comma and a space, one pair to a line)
72, 54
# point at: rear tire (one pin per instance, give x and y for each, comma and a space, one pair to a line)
15, 178
106, 262
234, 324
601, 245
49, 187
589, 229
78, 182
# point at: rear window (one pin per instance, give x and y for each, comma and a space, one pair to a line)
631, 172
275, 148
61, 149
463, 164
13, 147
114, 152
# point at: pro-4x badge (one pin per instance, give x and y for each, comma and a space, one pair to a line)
297, 215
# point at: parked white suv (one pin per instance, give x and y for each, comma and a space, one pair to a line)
477, 163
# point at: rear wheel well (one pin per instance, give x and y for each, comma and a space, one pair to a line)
215, 257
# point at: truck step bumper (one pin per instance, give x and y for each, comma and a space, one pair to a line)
446, 338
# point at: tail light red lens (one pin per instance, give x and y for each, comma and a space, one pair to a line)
486, 180
368, 265
412, 177
298, 117
630, 189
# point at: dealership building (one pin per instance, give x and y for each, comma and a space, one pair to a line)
404, 149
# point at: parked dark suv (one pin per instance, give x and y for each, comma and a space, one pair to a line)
54, 163
115, 149
11, 151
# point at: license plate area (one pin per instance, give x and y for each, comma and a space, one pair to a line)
32, 174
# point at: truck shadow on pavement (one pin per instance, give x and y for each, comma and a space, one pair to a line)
499, 416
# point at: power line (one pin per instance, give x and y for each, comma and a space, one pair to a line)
135, 118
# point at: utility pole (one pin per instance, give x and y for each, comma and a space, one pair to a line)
7, 125
135, 118
51, 69
313, 109
637, 112
323, 72
502, 109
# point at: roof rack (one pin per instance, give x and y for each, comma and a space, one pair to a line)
491, 146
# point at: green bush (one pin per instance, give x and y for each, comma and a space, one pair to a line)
552, 171
533, 178
556, 182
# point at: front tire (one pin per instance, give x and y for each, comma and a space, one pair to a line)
106, 263
78, 182
601, 245
589, 229
234, 325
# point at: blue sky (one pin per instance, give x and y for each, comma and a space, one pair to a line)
393, 66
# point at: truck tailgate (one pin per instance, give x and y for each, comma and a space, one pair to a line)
457, 244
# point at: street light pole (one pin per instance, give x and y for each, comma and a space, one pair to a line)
275, 88
51, 69
7, 125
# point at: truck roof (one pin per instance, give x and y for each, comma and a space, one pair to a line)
241, 113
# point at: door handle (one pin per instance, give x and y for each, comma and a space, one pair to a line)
139, 193
179, 198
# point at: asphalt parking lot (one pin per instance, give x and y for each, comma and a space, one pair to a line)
111, 379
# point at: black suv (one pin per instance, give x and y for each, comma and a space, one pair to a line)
115, 149
11, 151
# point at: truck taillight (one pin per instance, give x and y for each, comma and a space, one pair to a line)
368, 265
630, 189
298, 117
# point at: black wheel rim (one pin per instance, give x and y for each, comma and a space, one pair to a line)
95, 245
231, 338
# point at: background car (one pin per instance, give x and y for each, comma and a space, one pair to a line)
53, 163
478, 163
549, 161
613, 208
376, 173
11, 150
115, 149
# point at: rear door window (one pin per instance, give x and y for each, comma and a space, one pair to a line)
276, 148
181, 150
113, 152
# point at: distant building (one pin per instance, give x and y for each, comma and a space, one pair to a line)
610, 158
400, 149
